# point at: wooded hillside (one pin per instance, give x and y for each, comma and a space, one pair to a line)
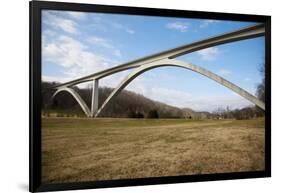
128, 104
125, 104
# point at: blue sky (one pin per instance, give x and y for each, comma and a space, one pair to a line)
76, 44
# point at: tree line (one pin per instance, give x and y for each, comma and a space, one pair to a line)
125, 104
132, 105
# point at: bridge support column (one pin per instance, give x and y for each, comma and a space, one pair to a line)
95, 97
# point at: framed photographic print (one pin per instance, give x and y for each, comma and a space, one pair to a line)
125, 96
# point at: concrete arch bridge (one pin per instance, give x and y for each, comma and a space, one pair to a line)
165, 58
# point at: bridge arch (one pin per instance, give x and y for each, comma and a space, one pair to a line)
77, 97
195, 68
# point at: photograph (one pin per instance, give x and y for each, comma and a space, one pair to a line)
129, 96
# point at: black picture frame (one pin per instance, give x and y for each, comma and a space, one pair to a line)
35, 94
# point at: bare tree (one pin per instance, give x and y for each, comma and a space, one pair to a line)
261, 87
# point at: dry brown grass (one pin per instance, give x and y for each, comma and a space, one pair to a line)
103, 149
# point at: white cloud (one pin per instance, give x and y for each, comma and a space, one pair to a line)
213, 102
55, 79
180, 98
179, 26
114, 80
117, 53
207, 22
224, 72
130, 31
73, 57
183, 99
98, 41
49, 33
77, 14
123, 27
65, 24
247, 79
58, 22
170, 96
209, 53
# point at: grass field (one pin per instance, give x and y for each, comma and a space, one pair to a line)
80, 149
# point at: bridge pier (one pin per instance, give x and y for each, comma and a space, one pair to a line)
95, 97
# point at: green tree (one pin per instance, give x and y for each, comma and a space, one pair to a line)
132, 114
139, 115
153, 114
